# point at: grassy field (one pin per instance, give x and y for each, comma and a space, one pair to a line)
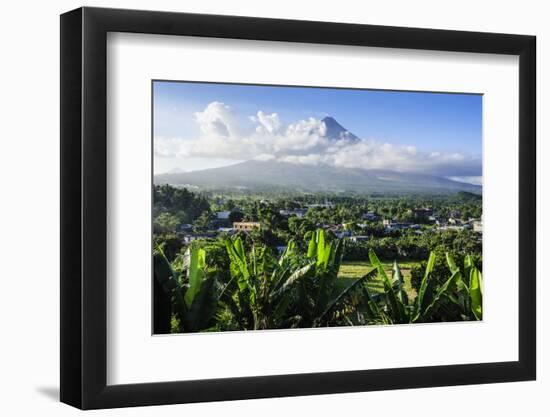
357, 269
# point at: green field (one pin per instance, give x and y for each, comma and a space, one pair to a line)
357, 269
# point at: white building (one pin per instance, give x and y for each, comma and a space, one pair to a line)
298, 212
478, 226
359, 238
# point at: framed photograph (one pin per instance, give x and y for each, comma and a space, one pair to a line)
257, 208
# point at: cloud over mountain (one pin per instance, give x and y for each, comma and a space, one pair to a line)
311, 141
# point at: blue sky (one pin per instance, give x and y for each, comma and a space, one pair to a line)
449, 124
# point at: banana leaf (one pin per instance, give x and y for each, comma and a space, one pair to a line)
163, 272
195, 274
395, 304
355, 284
451, 262
398, 278
296, 275
312, 246
337, 255
199, 314
326, 285
239, 264
425, 292
324, 250
281, 308
288, 252
461, 287
476, 292
279, 277
441, 291
468, 265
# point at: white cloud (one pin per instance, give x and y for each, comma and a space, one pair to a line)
166, 147
269, 123
217, 119
265, 157
305, 142
476, 180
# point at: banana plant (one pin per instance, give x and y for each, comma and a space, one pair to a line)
192, 290
469, 290
397, 301
433, 300
325, 299
293, 290
426, 299
261, 288
163, 285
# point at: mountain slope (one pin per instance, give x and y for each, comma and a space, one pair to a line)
335, 131
264, 175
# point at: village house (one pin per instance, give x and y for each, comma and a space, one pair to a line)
422, 213
326, 204
369, 215
298, 212
223, 215
343, 233
339, 230
358, 238
185, 228
456, 227
190, 238
246, 226
477, 226
391, 224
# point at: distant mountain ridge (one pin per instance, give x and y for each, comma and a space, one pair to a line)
263, 175
257, 175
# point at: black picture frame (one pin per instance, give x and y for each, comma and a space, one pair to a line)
84, 207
